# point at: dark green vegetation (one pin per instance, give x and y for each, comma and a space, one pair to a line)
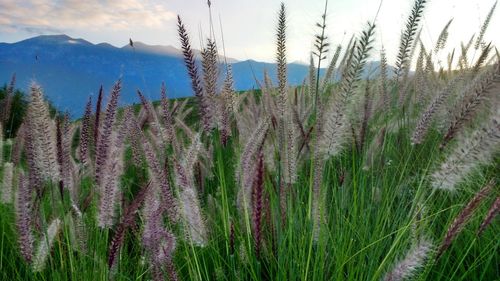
12, 120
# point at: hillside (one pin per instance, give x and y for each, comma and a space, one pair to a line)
71, 69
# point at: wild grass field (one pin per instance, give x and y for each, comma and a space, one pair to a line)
392, 177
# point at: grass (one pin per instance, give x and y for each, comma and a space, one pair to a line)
376, 199
369, 224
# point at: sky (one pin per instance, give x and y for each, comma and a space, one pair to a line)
248, 27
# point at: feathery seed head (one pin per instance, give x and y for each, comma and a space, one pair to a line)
45, 246
492, 212
43, 136
476, 149
105, 131
463, 217
24, 219
85, 134
194, 223
6, 191
203, 101
247, 163
413, 260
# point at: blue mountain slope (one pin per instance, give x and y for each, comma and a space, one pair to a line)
71, 69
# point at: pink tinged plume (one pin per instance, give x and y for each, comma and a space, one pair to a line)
128, 220
463, 217
247, 164
425, 120
24, 219
152, 117
85, 134
189, 61
168, 121
110, 188
258, 188
163, 259
45, 246
473, 150
413, 260
226, 106
98, 108
35, 174
158, 241
105, 129
6, 190
194, 223
66, 167
159, 175
43, 133
18, 145
152, 217
492, 213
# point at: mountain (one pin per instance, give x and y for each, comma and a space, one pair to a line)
166, 51
69, 70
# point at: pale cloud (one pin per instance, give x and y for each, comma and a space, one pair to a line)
249, 26
39, 16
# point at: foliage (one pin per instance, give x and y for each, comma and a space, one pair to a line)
262, 185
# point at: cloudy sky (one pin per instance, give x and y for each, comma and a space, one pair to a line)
248, 26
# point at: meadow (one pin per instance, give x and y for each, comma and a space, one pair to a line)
389, 177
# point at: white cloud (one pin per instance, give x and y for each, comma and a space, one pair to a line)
39, 16
249, 26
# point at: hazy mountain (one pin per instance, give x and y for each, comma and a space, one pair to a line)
166, 51
71, 69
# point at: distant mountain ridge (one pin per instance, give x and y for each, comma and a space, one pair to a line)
166, 50
69, 69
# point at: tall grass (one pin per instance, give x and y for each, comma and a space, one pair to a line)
391, 177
